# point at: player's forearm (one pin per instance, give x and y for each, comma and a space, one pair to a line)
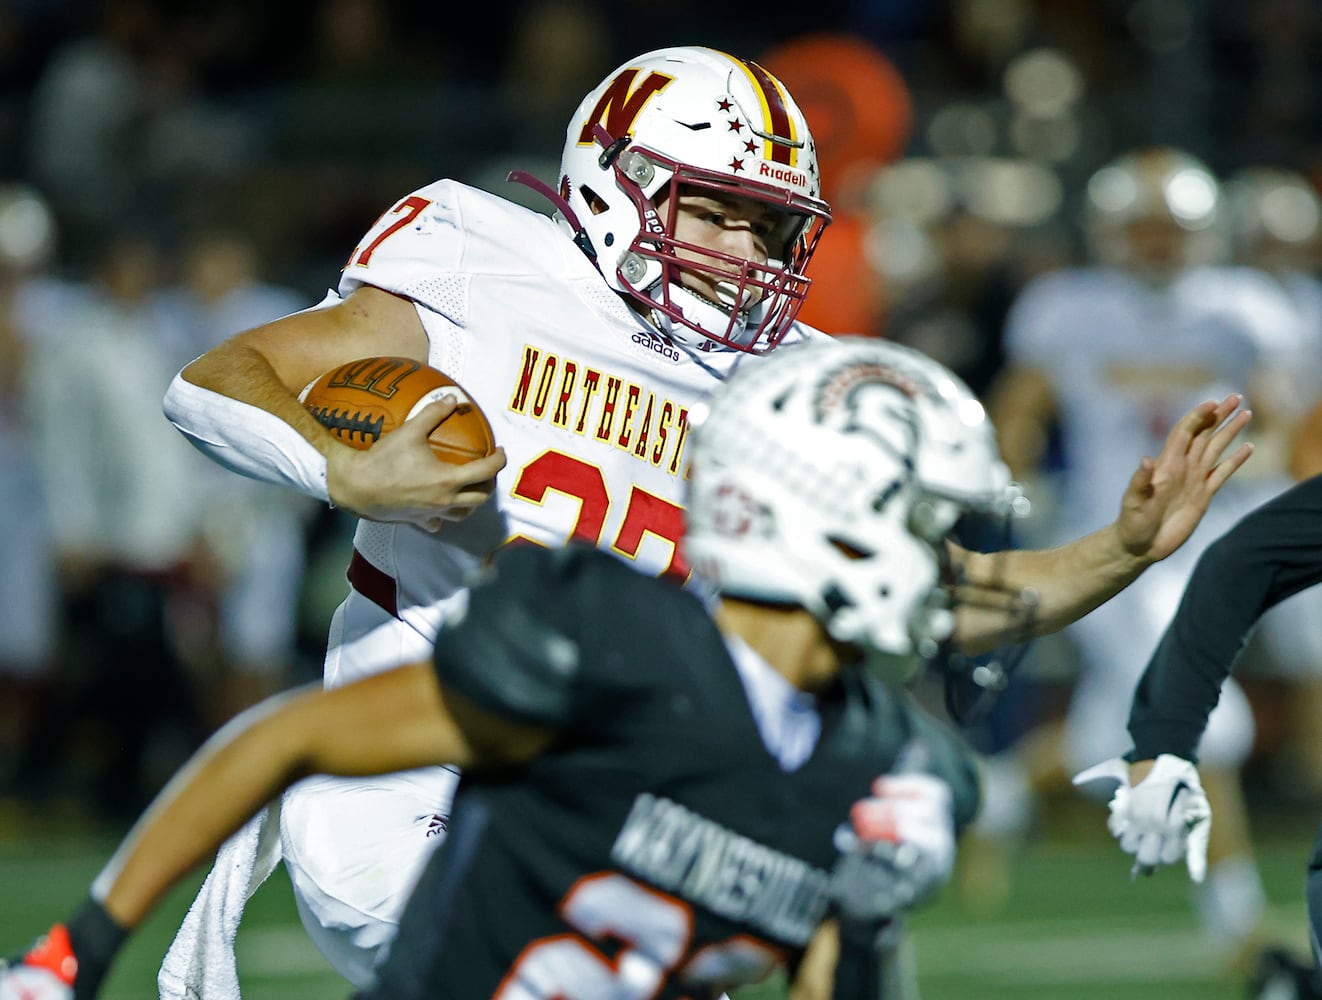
242, 372
1270, 555
239, 770
238, 403
249, 440
242, 417
1226, 594
396, 720
1068, 581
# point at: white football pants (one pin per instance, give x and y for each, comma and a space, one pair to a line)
354, 847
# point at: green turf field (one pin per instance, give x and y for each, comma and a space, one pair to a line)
1074, 926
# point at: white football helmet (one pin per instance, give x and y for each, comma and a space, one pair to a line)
686, 120
959, 469
802, 491
1155, 211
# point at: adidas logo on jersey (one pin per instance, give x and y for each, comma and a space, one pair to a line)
657, 344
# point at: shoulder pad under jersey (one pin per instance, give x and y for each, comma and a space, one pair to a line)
430, 243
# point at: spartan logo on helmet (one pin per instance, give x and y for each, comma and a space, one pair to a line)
875, 400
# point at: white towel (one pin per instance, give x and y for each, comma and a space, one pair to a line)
201, 964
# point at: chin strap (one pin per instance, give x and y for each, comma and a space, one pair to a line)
553, 196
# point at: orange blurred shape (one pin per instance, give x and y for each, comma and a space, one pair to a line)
856, 102
847, 295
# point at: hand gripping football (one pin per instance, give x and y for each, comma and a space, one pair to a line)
361, 400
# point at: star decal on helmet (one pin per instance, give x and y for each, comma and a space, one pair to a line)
750, 146
736, 125
736, 165
725, 104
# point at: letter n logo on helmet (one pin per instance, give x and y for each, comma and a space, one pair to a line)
620, 104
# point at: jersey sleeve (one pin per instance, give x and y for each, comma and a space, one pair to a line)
1272, 553
516, 651
430, 244
415, 249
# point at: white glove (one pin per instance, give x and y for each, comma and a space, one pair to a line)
897, 849
1163, 818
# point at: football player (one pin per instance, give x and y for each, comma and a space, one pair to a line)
687, 211
686, 214
1159, 812
666, 790
1106, 356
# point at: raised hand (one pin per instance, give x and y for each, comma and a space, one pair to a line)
1168, 496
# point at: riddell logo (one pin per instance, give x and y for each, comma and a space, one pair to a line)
656, 345
784, 174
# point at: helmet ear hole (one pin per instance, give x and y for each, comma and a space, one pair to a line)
596, 204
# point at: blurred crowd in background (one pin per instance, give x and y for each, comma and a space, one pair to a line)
174, 172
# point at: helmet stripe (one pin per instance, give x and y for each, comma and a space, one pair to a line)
782, 145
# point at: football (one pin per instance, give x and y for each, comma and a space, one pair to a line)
361, 400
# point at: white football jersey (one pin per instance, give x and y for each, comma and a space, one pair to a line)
1127, 359
590, 403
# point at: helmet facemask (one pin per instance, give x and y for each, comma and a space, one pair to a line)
973, 683
963, 493
750, 303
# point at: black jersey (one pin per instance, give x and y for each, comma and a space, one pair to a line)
1272, 553
657, 849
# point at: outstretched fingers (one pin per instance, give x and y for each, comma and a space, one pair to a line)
1226, 468
1199, 421
1210, 444
1206, 431
1216, 441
